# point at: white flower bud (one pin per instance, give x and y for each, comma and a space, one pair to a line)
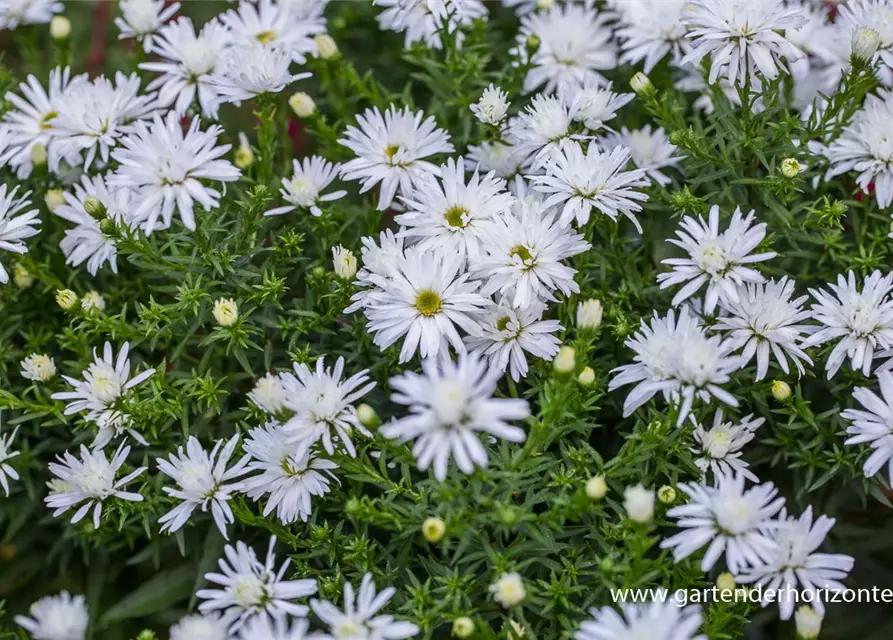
92, 300
566, 360
302, 105
226, 312
586, 377
38, 367
865, 42
492, 105
809, 622
639, 503
725, 582
38, 155
54, 198
790, 167
60, 28
508, 590
463, 627
589, 314
22, 278
367, 416
326, 46
344, 262
781, 390
641, 84
596, 488
433, 529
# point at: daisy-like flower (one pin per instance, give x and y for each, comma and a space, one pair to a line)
594, 105
649, 150
873, 424
264, 628
101, 392
663, 619
866, 147
7, 454
92, 203
575, 46
291, 477
15, 224
269, 394
304, 189
449, 405
492, 106
863, 319
188, 64
89, 480
275, 25
522, 254
794, 566
323, 403
719, 259
676, 357
390, 150
422, 297
94, 115
141, 19
592, 180
166, 166
422, 20
360, 618
543, 128
200, 627
203, 480
249, 70
58, 617
741, 37
38, 367
495, 156
734, 521
447, 213
251, 588
720, 445
509, 332
651, 29
378, 260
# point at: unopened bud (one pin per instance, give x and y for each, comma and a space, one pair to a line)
809, 622
53, 199
344, 262
666, 494
463, 627
60, 28
243, 156
566, 360
326, 46
93, 301
302, 104
533, 43
67, 299
38, 155
367, 416
596, 488
586, 377
22, 277
865, 42
725, 582
226, 312
790, 167
641, 84
589, 314
433, 529
781, 390
93, 207
639, 503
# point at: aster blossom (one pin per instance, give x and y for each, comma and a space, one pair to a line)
663, 619
199, 627
141, 19
203, 480
422, 20
89, 481
247, 71
594, 104
648, 150
873, 424
716, 258
7, 454
16, 224
867, 14
733, 520
304, 189
274, 25
650, 30
360, 617
18, 12
166, 166
720, 445
544, 127
58, 617
449, 405
265, 628
492, 105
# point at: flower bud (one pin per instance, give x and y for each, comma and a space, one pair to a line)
367, 416
666, 494
463, 627
508, 590
725, 582
790, 167
53, 199
781, 390
67, 299
326, 46
93, 207
226, 312
60, 28
38, 367
639, 503
596, 488
302, 105
344, 262
586, 377
433, 529
641, 84
38, 155
243, 156
566, 360
589, 314
809, 622
22, 278
533, 43
93, 301
865, 42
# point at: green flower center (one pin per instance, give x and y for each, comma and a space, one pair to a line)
265, 37
455, 217
503, 323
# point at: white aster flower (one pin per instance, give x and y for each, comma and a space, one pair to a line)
91, 203
663, 619
793, 564
58, 617
166, 167
649, 150
360, 618
676, 357
249, 70
188, 62
200, 627
449, 405
543, 128
141, 19
101, 393
495, 156
492, 105
390, 150
733, 520
575, 46
15, 224
94, 115
269, 394
508, 589
421, 20
377, 260
203, 480
89, 480
595, 105
304, 189
523, 252
18, 12
251, 588
444, 212
638, 502
873, 424
651, 29
765, 321
509, 332
7, 454
264, 628
863, 319
719, 447
275, 25
868, 14
741, 37
719, 259
592, 180
344, 262
291, 477
38, 367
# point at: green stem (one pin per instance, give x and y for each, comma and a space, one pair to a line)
266, 137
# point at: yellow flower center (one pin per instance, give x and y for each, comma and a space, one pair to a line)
428, 302
265, 37
455, 217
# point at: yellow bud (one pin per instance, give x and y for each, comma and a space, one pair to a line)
433, 529
790, 167
463, 627
566, 360
22, 278
326, 46
53, 199
367, 416
67, 299
226, 312
781, 390
302, 104
38, 155
60, 28
725, 581
596, 488
586, 377
666, 494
